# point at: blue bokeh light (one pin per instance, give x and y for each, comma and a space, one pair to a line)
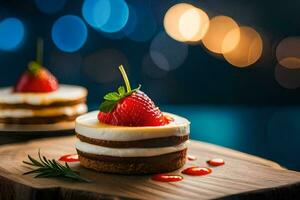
69, 33
141, 25
96, 12
127, 29
12, 33
167, 53
50, 6
131, 22
105, 15
118, 16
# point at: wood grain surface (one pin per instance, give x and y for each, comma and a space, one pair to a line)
242, 177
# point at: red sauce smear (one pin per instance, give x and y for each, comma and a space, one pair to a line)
191, 157
167, 178
197, 171
216, 162
69, 158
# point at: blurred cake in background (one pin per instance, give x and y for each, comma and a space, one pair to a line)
64, 104
37, 98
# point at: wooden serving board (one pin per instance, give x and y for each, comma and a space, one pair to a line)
242, 177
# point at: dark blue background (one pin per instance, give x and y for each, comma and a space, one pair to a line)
245, 109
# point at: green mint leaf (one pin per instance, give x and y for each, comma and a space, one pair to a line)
112, 96
107, 106
121, 91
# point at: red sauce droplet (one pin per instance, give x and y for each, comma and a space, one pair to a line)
197, 171
216, 162
191, 157
69, 158
167, 178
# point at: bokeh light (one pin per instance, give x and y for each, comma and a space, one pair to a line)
247, 51
193, 24
141, 25
12, 33
96, 12
131, 29
219, 27
105, 15
288, 52
172, 18
167, 53
102, 66
69, 33
50, 6
151, 69
118, 16
132, 21
186, 23
287, 78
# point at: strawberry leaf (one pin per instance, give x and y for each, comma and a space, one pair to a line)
34, 67
121, 90
107, 106
112, 96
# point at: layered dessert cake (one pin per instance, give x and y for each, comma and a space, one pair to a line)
37, 98
130, 135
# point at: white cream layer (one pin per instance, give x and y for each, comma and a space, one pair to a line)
63, 94
45, 112
89, 126
127, 152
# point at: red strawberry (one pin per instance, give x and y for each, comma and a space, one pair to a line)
131, 108
36, 79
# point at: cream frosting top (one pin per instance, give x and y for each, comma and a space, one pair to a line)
127, 152
45, 112
89, 126
63, 94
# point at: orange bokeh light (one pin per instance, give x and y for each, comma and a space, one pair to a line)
219, 27
186, 23
247, 51
288, 53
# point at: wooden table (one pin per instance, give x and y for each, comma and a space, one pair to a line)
242, 177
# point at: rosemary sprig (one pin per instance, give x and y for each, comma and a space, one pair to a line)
46, 168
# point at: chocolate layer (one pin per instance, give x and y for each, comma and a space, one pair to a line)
38, 120
133, 165
146, 143
33, 107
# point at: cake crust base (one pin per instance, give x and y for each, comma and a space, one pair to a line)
133, 165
